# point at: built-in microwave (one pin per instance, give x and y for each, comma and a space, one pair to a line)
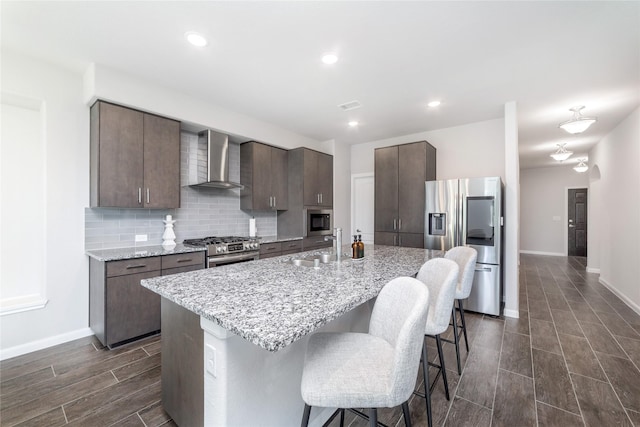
318, 222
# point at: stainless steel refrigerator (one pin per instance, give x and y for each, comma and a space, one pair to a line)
468, 212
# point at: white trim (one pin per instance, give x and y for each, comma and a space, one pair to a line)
21, 304
29, 347
512, 313
522, 251
632, 305
593, 270
565, 229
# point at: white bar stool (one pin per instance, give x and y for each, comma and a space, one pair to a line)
441, 277
466, 258
370, 370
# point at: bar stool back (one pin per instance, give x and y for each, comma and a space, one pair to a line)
370, 370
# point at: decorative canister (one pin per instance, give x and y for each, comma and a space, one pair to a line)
169, 236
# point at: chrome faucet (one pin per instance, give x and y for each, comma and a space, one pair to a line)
337, 237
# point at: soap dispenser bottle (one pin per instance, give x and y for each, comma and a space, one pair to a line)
354, 247
360, 247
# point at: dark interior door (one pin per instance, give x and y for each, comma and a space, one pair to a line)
577, 222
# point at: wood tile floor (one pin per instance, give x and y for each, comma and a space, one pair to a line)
571, 359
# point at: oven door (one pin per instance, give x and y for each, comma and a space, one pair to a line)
219, 260
318, 222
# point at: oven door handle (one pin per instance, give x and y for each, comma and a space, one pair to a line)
230, 258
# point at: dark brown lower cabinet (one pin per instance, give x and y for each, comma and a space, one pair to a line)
182, 365
311, 243
407, 240
120, 309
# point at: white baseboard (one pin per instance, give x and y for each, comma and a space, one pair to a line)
29, 347
541, 253
632, 305
512, 313
593, 270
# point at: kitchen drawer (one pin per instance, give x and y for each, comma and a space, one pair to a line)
270, 249
183, 260
132, 266
294, 245
184, 269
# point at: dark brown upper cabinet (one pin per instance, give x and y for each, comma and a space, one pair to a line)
317, 179
135, 158
400, 174
263, 173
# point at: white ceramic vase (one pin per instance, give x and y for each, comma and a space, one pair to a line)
169, 236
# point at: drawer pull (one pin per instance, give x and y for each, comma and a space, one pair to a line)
184, 260
129, 267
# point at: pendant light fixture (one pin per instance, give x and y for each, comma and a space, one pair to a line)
561, 154
578, 123
581, 167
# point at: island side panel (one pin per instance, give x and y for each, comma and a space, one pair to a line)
247, 385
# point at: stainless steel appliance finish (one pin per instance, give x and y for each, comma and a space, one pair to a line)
209, 167
227, 250
318, 222
468, 212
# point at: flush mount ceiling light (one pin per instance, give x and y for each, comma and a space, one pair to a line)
433, 104
581, 167
561, 153
329, 58
578, 123
353, 123
196, 39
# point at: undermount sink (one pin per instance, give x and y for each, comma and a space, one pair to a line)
316, 260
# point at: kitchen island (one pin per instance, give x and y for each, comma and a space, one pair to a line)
257, 316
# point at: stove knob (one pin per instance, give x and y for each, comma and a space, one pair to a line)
218, 249
255, 245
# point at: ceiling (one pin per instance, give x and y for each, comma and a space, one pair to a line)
263, 60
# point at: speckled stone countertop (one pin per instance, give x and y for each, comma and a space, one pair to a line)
273, 303
140, 252
271, 239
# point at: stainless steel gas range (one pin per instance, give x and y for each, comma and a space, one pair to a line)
227, 250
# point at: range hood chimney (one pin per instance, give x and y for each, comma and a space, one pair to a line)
209, 165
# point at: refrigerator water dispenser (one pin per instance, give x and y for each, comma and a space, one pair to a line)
437, 224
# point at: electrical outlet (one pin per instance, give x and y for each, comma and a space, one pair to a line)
210, 359
141, 237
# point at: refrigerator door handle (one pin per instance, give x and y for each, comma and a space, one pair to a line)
484, 269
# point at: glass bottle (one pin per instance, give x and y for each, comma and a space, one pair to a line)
354, 247
360, 247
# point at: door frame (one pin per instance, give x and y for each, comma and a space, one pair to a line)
565, 229
355, 177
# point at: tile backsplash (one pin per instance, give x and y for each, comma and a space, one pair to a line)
203, 212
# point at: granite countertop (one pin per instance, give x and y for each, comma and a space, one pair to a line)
271, 239
273, 303
140, 252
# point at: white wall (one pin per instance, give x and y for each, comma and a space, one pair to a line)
617, 208
342, 187
66, 134
472, 150
543, 208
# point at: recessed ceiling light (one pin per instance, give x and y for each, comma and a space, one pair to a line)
433, 104
353, 123
329, 58
196, 39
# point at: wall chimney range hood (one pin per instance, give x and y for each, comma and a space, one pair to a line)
209, 162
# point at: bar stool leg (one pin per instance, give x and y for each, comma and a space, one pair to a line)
425, 374
373, 417
464, 325
407, 415
456, 338
342, 417
305, 415
442, 368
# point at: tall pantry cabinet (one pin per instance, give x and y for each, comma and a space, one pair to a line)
400, 174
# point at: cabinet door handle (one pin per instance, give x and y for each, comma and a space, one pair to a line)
400, 224
130, 267
394, 224
321, 198
318, 198
183, 260
139, 195
148, 195
274, 202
